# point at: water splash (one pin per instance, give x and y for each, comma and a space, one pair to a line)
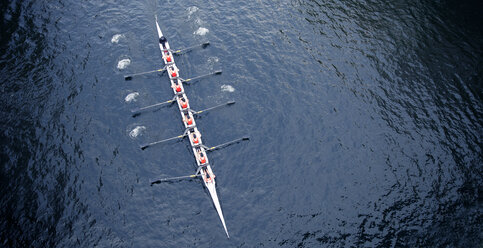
131, 97
116, 38
137, 131
123, 63
213, 60
227, 88
201, 31
192, 10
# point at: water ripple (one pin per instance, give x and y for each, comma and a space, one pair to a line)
364, 118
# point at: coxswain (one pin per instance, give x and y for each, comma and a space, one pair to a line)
183, 102
175, 85
188, 119
162, 41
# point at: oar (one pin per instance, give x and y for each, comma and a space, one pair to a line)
214, 107
226, 144
203, 45
174, 178
202, 76
129, 77
161, 141
137, 110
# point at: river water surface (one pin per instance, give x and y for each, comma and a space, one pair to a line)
364, 117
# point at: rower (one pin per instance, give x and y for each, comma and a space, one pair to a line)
183, 102
188, 119
173, 71
201, 155
195, 137
175, 85
167, 57
208, 175
166, 53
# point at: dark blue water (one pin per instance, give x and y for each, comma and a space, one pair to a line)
365, 120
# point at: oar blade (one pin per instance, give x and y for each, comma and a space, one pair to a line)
174, 178
180, 51
227, 143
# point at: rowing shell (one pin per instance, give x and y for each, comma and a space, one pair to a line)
205, 168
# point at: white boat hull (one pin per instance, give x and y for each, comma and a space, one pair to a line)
209, 184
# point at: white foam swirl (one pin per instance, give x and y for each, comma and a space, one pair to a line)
131, 97
137, 131
192, 10
227, 88
116, 38
201, 31
123, 63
